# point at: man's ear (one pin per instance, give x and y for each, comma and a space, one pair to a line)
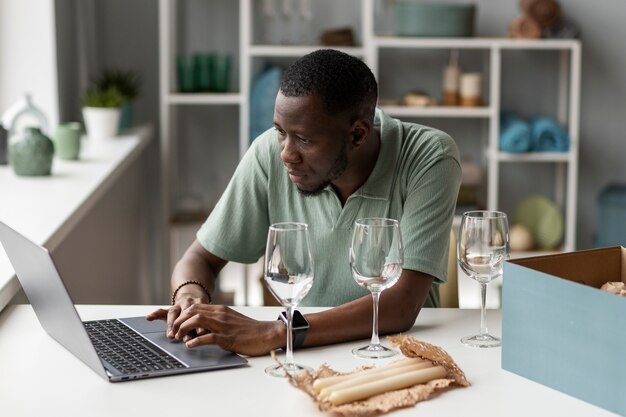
360, 131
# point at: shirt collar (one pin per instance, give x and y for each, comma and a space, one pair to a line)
378, 185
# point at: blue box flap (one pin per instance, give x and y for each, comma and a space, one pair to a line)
564, 334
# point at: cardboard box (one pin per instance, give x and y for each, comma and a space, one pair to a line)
561, 330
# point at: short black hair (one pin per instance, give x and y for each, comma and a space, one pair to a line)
344, 82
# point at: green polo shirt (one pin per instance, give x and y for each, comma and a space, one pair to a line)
415, 180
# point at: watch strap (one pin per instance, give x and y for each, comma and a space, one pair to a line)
298, 332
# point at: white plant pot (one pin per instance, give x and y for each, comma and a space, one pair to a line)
100, 122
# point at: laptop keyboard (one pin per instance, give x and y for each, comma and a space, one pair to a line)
126, 350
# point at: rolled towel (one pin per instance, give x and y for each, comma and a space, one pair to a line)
547, 135
545, 12
514, 133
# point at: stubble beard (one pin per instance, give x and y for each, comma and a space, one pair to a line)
336, 171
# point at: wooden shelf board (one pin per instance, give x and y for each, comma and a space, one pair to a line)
439, 111
205, 98
474, 43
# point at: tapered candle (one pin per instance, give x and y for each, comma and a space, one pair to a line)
369, 389
321, 383
359, 379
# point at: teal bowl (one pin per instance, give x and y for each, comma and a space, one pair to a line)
414, 18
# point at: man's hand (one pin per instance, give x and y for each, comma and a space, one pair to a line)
185, 300
223, 326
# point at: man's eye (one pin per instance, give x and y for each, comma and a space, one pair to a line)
304, 141
280, 131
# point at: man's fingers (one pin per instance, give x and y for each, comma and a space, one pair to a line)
206, 339
189, 336
188, 324
172, 314
158, 314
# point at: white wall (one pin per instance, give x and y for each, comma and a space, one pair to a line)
28, 55
603, 105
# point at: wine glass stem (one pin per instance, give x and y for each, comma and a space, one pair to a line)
289, 353
483, 309
375, 297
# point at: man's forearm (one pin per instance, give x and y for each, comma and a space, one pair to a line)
195, 265
398, 309
187, 271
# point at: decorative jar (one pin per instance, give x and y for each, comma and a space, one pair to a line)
31, 153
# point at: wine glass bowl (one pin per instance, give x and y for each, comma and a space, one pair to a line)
482, 249
378, 281
288, 289
376, 258
288, 274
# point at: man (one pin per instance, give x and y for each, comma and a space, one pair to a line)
331, 158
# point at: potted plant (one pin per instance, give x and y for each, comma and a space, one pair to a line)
128, 83
101, 111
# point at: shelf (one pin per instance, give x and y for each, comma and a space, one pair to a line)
432, 43
474, 43
538, 44
442, 111
267, 51
534, 157
205, 98
491, 56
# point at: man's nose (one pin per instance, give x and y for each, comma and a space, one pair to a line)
289, 152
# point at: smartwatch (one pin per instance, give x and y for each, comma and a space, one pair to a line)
299, 326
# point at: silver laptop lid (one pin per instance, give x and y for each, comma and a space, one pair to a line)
48, 296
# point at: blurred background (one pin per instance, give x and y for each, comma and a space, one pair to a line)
203, 120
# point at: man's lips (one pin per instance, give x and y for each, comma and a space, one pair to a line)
296, 176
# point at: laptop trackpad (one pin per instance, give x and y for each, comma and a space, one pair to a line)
202, 356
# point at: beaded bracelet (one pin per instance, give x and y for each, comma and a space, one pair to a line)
206, 290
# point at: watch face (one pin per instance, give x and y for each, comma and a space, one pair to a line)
299, 322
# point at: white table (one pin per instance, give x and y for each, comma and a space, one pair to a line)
38, 377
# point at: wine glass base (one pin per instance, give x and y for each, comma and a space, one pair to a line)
281, 371
374, 352
481, 341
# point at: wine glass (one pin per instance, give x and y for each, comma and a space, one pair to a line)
288, 272
483, 247
376, 258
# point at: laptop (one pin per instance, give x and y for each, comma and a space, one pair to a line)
118, 349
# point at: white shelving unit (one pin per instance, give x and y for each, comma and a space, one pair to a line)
370, 47
566, 164
568, 112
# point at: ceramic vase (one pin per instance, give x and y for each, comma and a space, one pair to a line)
31, 153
